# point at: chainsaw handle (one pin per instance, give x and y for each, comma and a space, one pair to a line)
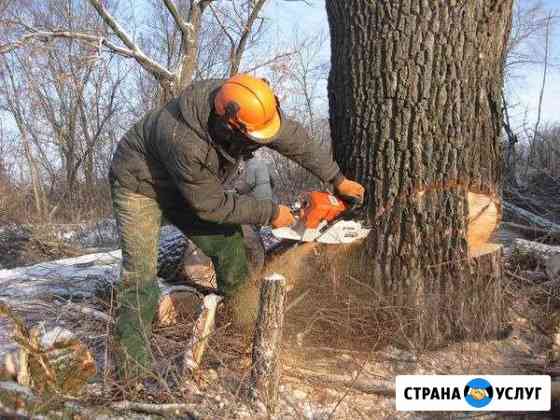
353, 202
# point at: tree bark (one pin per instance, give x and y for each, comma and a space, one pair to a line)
265, 371
415, 107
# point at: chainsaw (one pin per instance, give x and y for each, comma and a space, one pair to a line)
325, 218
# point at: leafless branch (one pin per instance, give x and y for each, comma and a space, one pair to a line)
541, 93
222, 25
545, 73
267, 62
183, 25
237, 53
95, 40
307, 2
135, 52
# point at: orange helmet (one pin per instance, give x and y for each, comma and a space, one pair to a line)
249, 104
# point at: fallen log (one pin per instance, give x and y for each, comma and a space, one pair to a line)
530, 232
519, 215
81, 277
266, 367
203, 327
87, 276
160, 409
533, 276
367, 386
88, 311
93, 275
540, 252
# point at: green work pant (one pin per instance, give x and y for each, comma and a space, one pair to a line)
139, 221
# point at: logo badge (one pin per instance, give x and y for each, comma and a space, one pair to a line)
478, 393
473, 392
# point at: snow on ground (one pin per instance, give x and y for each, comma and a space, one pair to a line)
101, 233
79, 277
60, 266
88, 235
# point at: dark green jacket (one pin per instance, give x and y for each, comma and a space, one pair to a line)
177, 154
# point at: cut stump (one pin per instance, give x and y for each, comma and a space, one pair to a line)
265, 370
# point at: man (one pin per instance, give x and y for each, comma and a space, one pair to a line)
173, 164
257, 182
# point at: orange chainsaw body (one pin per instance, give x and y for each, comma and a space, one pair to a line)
319, 206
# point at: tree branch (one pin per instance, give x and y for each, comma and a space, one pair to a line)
158, 71
187, 67
267, 62
237, 53
545, 73
223, 26
153, 67
184, 26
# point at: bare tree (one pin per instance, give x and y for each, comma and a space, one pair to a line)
237, 19
530, 20
542, 90
528, 49
15, 107
62, 98
237, 23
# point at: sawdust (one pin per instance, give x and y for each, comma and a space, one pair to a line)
327, 303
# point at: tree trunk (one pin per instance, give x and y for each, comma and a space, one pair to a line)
87, 276
38, 194
89, 171
267, 342
415, 107
168, 89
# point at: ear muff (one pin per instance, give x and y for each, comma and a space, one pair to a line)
231, 110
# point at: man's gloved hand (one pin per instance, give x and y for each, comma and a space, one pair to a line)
350, 189
283, 218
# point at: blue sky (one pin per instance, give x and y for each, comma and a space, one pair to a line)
523, 90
